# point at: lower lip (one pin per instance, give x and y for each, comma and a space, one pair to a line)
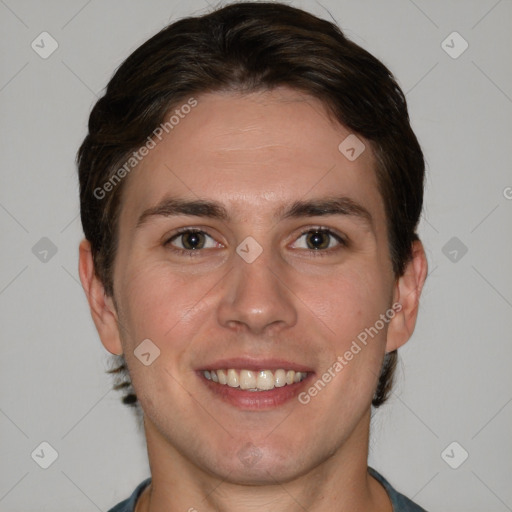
256, 400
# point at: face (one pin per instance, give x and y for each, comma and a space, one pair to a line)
250, 244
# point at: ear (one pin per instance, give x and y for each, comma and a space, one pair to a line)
102, 307
407, 292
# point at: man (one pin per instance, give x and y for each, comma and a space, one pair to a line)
250, 192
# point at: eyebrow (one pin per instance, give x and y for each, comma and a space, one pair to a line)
339, 205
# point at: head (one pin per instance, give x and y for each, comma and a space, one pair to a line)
243, 112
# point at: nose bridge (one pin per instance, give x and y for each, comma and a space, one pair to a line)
255, 294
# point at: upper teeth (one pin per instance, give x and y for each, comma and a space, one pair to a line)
254, 380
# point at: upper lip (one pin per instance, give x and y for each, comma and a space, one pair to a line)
255, 364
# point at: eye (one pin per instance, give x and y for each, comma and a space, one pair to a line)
320, 239
188, 240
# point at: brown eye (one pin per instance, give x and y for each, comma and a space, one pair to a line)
191, 240
319, 239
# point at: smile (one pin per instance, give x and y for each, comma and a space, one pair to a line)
263, 380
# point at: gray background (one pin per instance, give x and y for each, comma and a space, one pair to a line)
455, 383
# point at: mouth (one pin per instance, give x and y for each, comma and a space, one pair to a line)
252, 386
256, 381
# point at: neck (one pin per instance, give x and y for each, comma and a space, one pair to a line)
341, 483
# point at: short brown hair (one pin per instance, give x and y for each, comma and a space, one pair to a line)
247, 47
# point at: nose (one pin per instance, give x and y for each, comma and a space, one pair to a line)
256, 297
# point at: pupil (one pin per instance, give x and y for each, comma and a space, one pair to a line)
191, 241
317, 240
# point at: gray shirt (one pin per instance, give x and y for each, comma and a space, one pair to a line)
399, 501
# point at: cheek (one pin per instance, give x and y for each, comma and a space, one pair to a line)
166, 307
347, 303
154, 299
350, 306
162, 307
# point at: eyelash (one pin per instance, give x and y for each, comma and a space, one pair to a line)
315, 252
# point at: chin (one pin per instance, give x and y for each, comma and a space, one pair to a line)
247, 464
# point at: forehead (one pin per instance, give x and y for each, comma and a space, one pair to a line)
255, 153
